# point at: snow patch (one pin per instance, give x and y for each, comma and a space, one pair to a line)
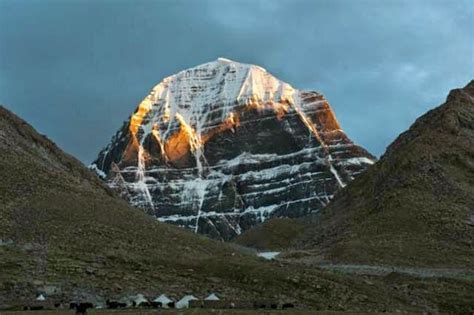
357, 161
97, 171
268, 255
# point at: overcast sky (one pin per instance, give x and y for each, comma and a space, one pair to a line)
77, 69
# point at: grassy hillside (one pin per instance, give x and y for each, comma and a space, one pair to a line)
275, 234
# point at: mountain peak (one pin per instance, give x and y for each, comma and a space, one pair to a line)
224, 60
221, 79
194, 96
224, 145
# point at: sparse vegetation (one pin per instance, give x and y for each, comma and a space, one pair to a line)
277, 234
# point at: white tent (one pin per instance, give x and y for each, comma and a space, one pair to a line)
212, 297
140, 298
184, 302
40, 297
164, 300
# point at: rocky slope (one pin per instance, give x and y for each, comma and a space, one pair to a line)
223, 146
415, 206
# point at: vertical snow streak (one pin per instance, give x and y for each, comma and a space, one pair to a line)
312, 128
156, 135
141, 178
194, 193
334, 172
195, 142
105, 156
136, 123
201, 192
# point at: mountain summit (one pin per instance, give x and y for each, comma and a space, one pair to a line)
222, 146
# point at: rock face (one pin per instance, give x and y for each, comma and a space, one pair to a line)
221, 147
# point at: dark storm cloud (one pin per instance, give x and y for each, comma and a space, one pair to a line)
77, 69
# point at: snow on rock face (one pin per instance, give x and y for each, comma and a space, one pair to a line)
199, 100
223, 146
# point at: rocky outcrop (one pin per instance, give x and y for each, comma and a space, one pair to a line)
223, 146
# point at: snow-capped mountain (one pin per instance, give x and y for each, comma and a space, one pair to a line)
223, 146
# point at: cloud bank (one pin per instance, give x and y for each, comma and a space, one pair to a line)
77, 69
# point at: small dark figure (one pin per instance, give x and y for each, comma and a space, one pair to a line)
171, 304
144, 304
88, 304
115, 304
81, 308
36, 308
156, 304
111, 304
287, 305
